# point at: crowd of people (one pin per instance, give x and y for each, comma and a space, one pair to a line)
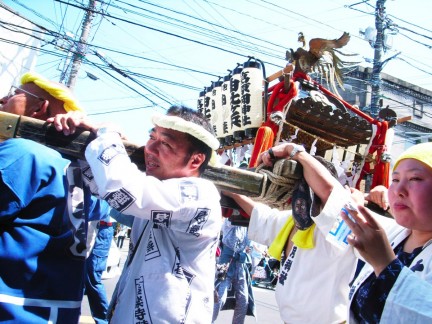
48, 260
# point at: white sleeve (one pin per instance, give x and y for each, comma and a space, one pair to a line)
110, 165
409, 301
132, 192
332, 209
265, 223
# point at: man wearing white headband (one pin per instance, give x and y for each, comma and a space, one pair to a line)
170, 271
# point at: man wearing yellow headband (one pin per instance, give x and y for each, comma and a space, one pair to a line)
55, 236
39, 98
170, 270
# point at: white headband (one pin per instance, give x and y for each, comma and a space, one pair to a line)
181, 125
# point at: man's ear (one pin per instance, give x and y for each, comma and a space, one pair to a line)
42, 111
197, 159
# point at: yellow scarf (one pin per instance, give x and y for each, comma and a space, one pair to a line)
302, 239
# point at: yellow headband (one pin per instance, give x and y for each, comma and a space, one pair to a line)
421, 152
184, 126
54, 89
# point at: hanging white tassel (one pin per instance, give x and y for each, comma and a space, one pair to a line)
337, 164
247, 149
294, 136
224, 158
346, 165
242, 155
313, 147
230, 157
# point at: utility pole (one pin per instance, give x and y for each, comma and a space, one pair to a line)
377, 64
81, 47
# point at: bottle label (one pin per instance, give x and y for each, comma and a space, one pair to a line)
340, 230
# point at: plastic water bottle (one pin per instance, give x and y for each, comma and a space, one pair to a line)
339, 233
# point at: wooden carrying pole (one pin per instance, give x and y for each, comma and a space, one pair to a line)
241, 181
286, 70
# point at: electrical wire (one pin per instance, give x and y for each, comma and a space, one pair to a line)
169, 33
135, 74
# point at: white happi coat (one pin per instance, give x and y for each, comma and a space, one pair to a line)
175, 233
410, 298
313, 283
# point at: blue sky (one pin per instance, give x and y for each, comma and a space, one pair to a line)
185, 42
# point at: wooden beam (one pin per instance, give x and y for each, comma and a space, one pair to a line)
243, 181
288, 69
403, 119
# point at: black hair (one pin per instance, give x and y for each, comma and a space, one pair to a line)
196, 145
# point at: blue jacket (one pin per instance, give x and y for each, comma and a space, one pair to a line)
43, 229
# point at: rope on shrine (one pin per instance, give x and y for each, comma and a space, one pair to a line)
277, 189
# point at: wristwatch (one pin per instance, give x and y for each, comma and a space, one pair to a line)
296, 149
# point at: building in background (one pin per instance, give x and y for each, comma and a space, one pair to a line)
404, 98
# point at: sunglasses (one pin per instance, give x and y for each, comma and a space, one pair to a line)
14, 91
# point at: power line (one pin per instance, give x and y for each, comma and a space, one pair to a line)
213, 24
4, 25
170, 34
117, 79
410, 23
410, 38
148, 77
112, 67
36, 13
120, 110
412, 65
